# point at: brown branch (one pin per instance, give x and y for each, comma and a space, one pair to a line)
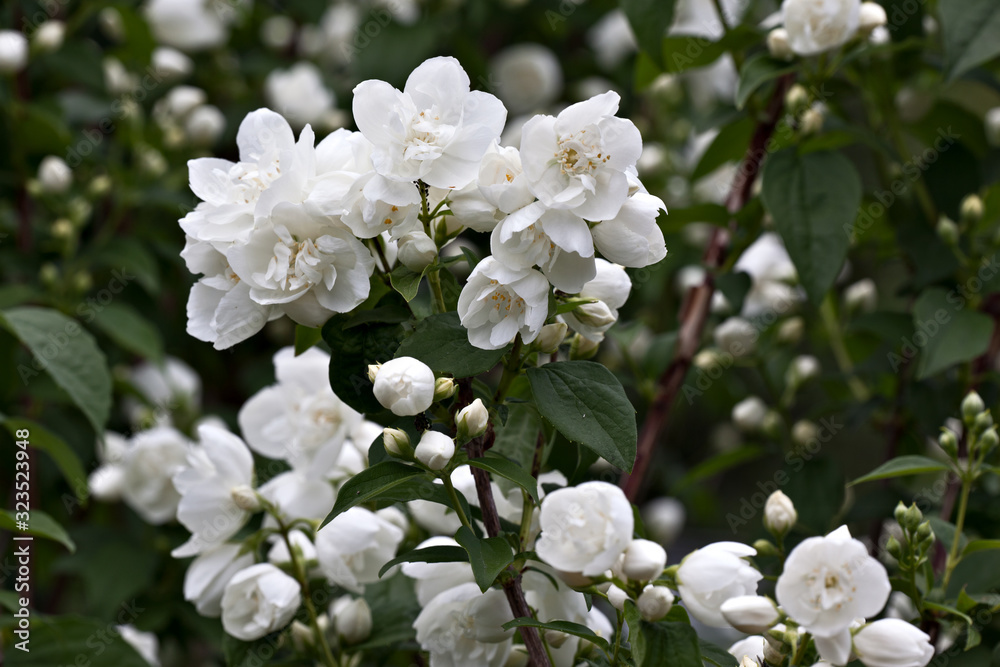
698, 300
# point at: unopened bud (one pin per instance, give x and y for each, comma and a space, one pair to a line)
779, 514
596, 315
397, 443
352, 618
947, 230
893, 547
551, 337
804, 432
245, 498
444, 388
435, 450
791, 330
972, 209
778, 44
62, 229
617, 597
373, 370
912, 518
924, 531
796, 98
582, 348
472, 420
982, 422
949, 443
555, 638
655, 602
870, 16
972, 405
100, 185
765, 548
811, 121
987, 441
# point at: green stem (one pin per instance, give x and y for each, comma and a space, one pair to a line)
434, 280
963, 506
840, 353
300, 575
450, 488
801, 652
510, 370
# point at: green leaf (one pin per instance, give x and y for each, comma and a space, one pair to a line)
40, 524
370, 483
517, 438
66, 460
568, 627
498, 465
406, 282
684, 52
980, 545
716, 655
441, 342
353, 347
129, 260
903, 466
670, 644
68, 353
951, 334
131, 331
438, 554
814, 199
728, 146
757, 71
306, 337
248, 654
63, 640
970, 31
649, 20
488, 556
587, 404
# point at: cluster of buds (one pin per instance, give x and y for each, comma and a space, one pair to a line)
912, 547
636, 576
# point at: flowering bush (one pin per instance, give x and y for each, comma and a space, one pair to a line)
284, 392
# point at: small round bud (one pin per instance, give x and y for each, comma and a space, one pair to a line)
644, 560
893, 547
245, 498
444, 388
791, 330
992, 123
752, 614
811, 121
778, 44
100, 185
948, 442
947, 230
83, 281
796, 98
736, 336
13, 51
596, 315
617, 597
555, 638
925, 531
62, 229
48, 274
110, 21
803, 368
583, 348
972, 405
435, 450
987, 441
779, 514
204, 125
972, 209
765, 548
551, 337
373, 371
352, 618
49, 36
912, 518
416, 251
749, 414
773, 423
982, 422
54, 175
804, 432
861, 296
405, 386
397, 443
655, 602
870, 16
472, 419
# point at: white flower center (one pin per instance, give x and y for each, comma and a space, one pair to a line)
533, 243
426, 136
505, 303
298, 265
250, 179
578, 156
830, 588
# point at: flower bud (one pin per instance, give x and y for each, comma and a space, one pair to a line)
747, 661
773, 424
912, 518
752, 614
405, 386
352, 618
772, 656
617, 597
62, 229
987, 441
169, 63
110, 21
992, 123
791, 330
804, 367
861, 296
736, 336
54, 174
245, 498
551, 337
302, 635
892, 642
972, 209
947, 231
596, 315
765, 548
796, 98
804, 432
82, 281
583, 348
100, 185
982, 422
924, 531
555, 638
811, 121
664, 519
893, 547
778, 45
948, 442
49, 36
417, 251
397, 443
972, 405
48, 274
472, 419
749, 414
435, 450
444, 388
277, 32
708, 358
519, 656
13, 51
655, 602
204, 125
779, 514
373, 370
871, 16
644, 560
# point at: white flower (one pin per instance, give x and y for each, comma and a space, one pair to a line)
430, 579
632, 237
435, 450
354, 546
145, 643
617, 597
298, 419
168, 387
462, 626
527, 77
828, 582
108, 479
208, 574
148, 468
871, 15
772, 271
54, 174
218, 474
815, 26
749, 646
303, 265
298, 94
611, 287
643, 560
711, 575
779, 513
301, 494
803, 367
13, 51
736, 336
655, 602
612, 39
577, 161
204, 125
557, 241
664, 519
259, 600
551, 603
435, 130
752, 614
749, 414
497, 303
49, 36
170, 63
416, 250
862, 295
472, 419
585, 528
892, 642
502, 182
189, 25
352, 618
405, 386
